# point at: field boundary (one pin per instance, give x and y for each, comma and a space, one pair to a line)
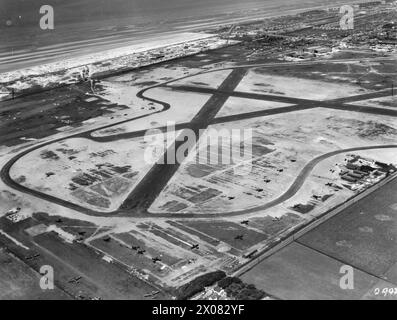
310, 226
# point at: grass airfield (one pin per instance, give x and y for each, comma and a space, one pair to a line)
308, 121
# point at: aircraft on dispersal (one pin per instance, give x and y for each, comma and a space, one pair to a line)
152, 294
156, 259
135, 248
141, 251
239, 237
75, 280
245, 222
32, 257
195, 246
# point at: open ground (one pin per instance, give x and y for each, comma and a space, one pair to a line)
76, 190
176, 229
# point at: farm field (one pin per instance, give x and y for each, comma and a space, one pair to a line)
361, 236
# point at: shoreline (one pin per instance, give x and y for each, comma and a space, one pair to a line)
54, 75
89, 45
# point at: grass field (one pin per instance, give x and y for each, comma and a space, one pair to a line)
19, 282
362, 236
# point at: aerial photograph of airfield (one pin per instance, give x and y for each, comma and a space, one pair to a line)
78, 193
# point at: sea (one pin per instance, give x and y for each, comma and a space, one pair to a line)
86, 26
